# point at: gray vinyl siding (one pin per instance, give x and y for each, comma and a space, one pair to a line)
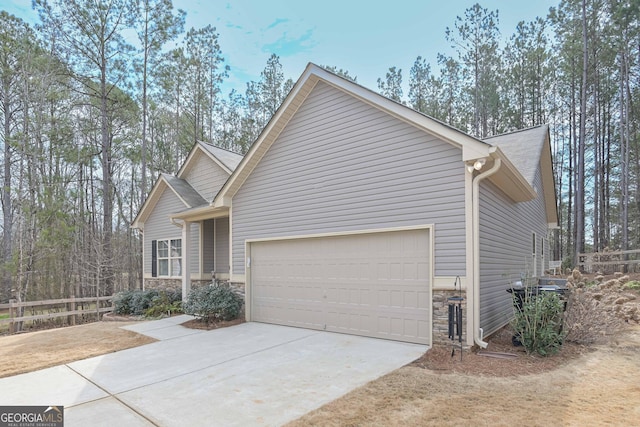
222, 245
158, 226
216, 245
506, 249
343, 165
208, 245
195, 248
205, 176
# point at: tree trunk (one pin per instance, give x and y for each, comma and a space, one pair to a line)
107, 226
624, 158
7, 209
579, 222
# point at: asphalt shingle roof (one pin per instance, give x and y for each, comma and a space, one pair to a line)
228, 158
523, 148
185, 191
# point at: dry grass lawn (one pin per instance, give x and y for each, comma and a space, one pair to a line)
42, 349
599, 387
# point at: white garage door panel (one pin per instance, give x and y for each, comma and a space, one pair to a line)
374, 284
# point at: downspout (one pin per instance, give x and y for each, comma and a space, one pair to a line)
477, 334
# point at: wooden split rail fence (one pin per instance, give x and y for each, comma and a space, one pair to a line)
609, 261
69, 303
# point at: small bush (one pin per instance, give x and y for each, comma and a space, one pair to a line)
633, 285
213, 302
150, 302
592, 315
538, 323
141, 301
122, 302
164, 304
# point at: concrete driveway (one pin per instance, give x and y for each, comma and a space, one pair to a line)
249, 374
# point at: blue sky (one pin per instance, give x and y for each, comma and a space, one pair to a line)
363, 37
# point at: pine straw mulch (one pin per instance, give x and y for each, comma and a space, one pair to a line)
439, 358
216, 324
213, 324
603, 312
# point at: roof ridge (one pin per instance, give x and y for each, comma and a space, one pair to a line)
219, 148
516, 131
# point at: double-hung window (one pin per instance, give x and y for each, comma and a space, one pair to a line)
170, 257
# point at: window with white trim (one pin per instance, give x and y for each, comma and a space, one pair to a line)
170, 258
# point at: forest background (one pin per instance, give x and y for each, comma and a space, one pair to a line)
89, 120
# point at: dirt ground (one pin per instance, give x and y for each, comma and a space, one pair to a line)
198, 324
597, 386
582, 385
42, 349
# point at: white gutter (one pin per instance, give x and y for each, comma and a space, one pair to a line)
477, 331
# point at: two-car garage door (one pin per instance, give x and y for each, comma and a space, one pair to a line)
373, 284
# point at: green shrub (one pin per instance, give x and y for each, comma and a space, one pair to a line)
634, 285
122, 302
538, 324
150, 302
213, 302
164, 304
141, 301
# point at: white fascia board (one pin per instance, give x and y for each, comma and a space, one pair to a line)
472, 148
194, 153
221, 202
215, 159
149, 203
199, 214
267, 136
520, 190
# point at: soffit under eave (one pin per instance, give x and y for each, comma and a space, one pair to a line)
511, 181
201, 214
548, 182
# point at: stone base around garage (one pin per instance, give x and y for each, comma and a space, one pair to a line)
441, 317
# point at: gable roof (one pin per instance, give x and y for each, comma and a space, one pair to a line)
521, 147
512, 149
530, 149
189, 197
185, 192
227, 160
472, 148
